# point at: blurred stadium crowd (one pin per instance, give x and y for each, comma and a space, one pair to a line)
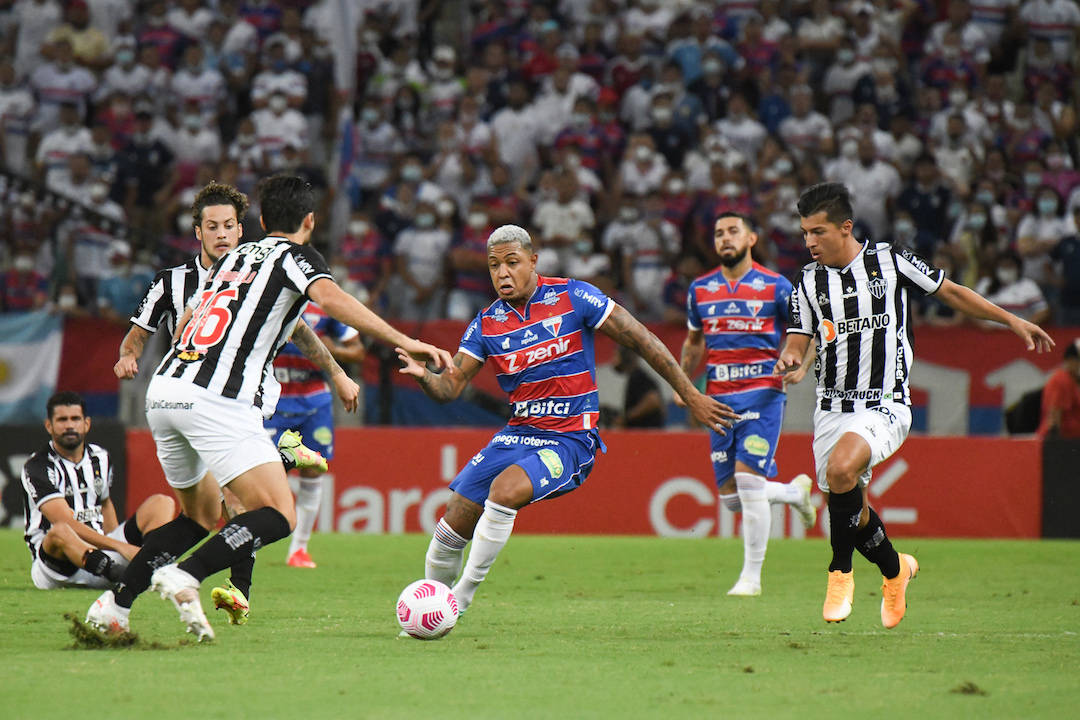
615, 130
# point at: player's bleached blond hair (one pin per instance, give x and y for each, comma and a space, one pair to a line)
509, 234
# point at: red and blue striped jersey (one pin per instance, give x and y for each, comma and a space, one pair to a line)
544, 357
743, 323
299, 377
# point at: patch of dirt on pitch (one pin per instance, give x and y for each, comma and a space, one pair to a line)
968, 688
87, 637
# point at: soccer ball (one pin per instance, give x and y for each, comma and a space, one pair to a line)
427, 609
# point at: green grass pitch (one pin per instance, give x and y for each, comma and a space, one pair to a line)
574, 627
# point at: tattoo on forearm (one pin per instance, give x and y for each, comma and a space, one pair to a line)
440, 387
627, 331
314, 350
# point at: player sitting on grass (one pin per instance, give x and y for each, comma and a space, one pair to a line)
539, 337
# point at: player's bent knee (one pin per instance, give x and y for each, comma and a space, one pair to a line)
462, 515
156, 510
841, 479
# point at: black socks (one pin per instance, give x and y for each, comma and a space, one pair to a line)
844, 511
160, 547
239, 539
872, 542
96, 562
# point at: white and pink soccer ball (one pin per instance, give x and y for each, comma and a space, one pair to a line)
427, 609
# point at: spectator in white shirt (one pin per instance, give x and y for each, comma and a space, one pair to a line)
421, 253
196, 140
874, 185
646, 247
194, 82
1054, 20
124, 74
276, 123
35, 20
806, 131
958, 156
1038, 233
278, 78
60, 81
190, 18
973, 39
517, 132
839, 83
17, 109
740, 130
561, 222
643, 169
1010, 289
70, 137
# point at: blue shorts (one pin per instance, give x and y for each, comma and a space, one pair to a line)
312, 417
751, 440
556, 463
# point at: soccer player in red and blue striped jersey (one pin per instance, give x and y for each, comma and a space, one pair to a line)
539, 337
736, 315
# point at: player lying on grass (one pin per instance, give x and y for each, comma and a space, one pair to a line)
539, 337
71, 527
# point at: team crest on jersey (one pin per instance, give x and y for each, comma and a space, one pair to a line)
552, 325
758, 284
755, 306
550, 297
529, 337
877, 287
506, 343
712, 286
731, 309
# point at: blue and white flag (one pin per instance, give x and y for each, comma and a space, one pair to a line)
29, 364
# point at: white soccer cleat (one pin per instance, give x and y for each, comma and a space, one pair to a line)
745, 588
105, 615
805, 508
173, 583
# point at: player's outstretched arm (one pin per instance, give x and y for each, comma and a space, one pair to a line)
131, 349
316, 351
624, 329
445, 386
342, 306
972, 304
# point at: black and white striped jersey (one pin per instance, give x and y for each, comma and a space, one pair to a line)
165, 300
243, 314
83, 485
861, 316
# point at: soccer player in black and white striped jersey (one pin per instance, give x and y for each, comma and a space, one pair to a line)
854, 301
216, 218
203, 402
71, 526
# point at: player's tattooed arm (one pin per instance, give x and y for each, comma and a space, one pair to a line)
314, 349
131, 349
447, 385
693, 349
624, 329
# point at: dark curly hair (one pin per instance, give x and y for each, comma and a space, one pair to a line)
216, 193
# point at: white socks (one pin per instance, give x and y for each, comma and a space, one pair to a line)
444, 554
787, 493
492, 531
307, 509
755, 523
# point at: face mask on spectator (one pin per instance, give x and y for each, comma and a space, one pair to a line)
1032, 179
712, 66
23, 263
729, 189
425, 220
643, 153
1047, 206
676, 187
976, 222
339, 271
985, 197
580, 120
1007, 275
583, 247
125, 56
98, 192
957, 97
662, 114
628, 214
67, 301
358, 228
193, 122
278, 103
245, 139
905, 230
411, 173
445, 208
370, 116
477, 220
783, 166
845, 56
183, 224
850, 149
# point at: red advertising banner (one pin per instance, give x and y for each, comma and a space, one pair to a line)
391, 480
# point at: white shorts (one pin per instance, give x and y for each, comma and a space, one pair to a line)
884, 428
46, 578
196, 431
